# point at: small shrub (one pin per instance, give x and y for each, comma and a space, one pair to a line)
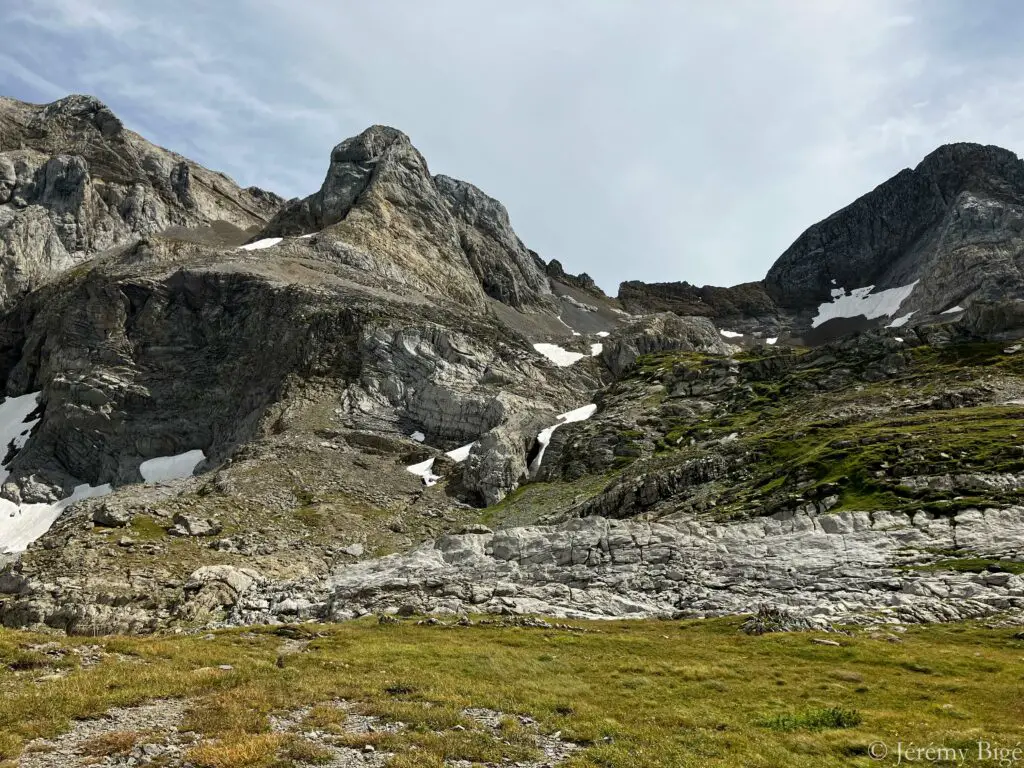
817, 719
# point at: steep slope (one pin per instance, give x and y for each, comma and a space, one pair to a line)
376, 398
931, 240
74, 181
954, 223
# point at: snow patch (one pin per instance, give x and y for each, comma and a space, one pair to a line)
166, 468
425, 469
596, 349
899, 322
603, 334
14, 429
21, 524
544, 436
899, 339
953, 310
560, 357
461, 453
772, 339
419, 437
259, 245
861, 301
730, 334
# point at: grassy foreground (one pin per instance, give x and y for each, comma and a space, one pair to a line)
636, 694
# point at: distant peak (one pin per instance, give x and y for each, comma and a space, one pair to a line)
368, 145
88, 108
965, 154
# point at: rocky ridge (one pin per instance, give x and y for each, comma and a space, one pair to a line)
74, 182
948, 230
395, 406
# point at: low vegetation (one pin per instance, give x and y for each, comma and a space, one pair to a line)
633, 694
867, 425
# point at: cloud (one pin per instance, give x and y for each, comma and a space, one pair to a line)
655, 140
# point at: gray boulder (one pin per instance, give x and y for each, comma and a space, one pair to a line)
497, 464
661, 333
193, 525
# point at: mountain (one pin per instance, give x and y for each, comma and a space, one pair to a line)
227, 407
74, 182
932, 240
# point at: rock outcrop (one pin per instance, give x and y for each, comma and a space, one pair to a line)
661, 333
297, 409
955, 222
949, 232
399, 221
842, 566
74, 181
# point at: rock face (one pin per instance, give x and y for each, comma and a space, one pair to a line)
740, 306
402, 223
74, 181
951, 231
840, 566
507, 271
955, 222
661, 333
360, 371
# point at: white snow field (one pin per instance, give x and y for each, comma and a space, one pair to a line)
953, 310
259, 245
560, 357
596, 349
13, 427
21, 524
861, 301
544, 436
730, 334
461, 453
603, 334
166, 468
425, 469
419, 437
772, 340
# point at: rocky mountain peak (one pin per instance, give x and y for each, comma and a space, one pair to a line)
441, 235
369, 145
930, 227
74, 181
85, 110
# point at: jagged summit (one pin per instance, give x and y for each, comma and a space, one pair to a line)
930, 241
74, 182
261, 393
916, 226
379, 196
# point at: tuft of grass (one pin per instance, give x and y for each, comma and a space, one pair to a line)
814, 719
146, 528
113, 744
238, 751
299, 750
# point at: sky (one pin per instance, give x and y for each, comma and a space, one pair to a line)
654, 140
